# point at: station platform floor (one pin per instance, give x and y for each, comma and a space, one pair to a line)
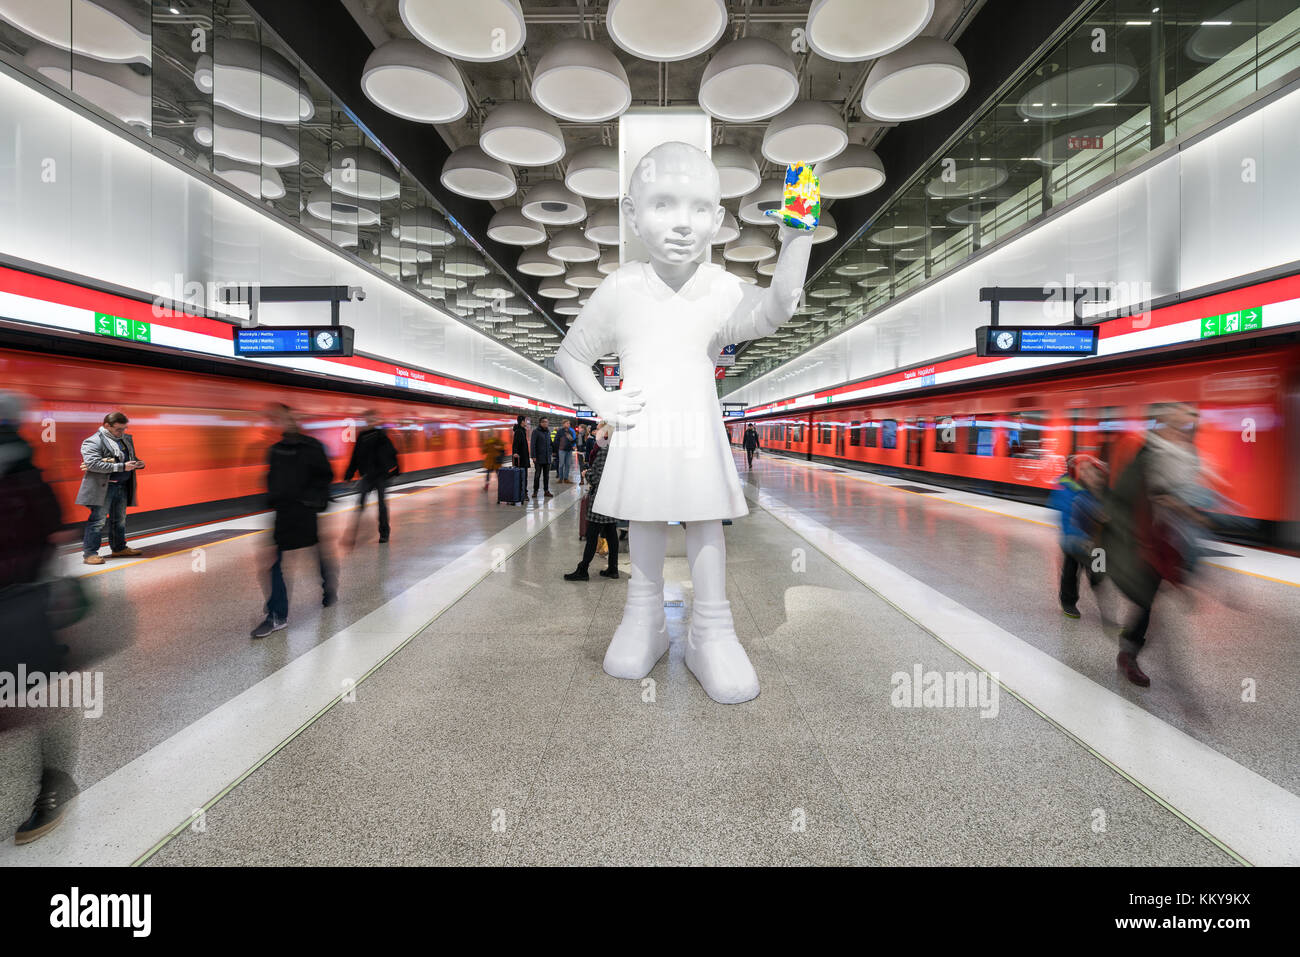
451, 707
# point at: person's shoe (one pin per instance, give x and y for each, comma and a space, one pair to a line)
716, 657
57, 789
1128, 667
93, 559
641, 638
609, 573
579, 574
1070, 611
383, 539
329, 598
127, 552
270, 624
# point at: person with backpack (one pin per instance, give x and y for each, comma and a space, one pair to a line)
298, 487
374, 457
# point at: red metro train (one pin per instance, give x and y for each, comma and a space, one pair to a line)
1012, 439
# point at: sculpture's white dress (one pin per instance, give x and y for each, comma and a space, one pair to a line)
676, 464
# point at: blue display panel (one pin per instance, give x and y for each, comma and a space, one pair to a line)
1036, 340
293, 341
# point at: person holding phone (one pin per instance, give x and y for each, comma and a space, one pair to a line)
108, 488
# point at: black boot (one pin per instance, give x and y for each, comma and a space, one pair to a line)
57, 789
611, 572
579, 574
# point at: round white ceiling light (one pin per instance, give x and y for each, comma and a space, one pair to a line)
609, 261
394, 250
737, 170
728, 231
493, 287
581, 81
434, 277
1085, 80
424, 227
850, 30
767, 267
767, 196
855, 171
342, 210
666, 30
338, 235
583, 276
113, 87
260, 182
568, 309
364, 173
510, 226
464, 263
922, 78
112, 31
407, 79
603, 227
831, 289
899, 234
241, 138
521, 134
480, 32
255, 81
860, 268
554, 287
571, 246
593, 172
743, 271
535, 262
551, 204
966, 181
809, 130
752, 245
826, 229
471, 172
749, 79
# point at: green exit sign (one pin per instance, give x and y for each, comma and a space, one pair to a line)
1243, 320
121, 328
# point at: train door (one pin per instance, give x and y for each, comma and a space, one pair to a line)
914, 451
839, 440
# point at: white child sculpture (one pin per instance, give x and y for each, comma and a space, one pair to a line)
669, 458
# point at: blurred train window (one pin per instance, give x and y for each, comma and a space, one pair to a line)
1095, 431
979, 436
855, 433
945, 434
1025, 434
869, 431
889, 433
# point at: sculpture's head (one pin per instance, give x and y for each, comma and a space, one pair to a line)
673, 203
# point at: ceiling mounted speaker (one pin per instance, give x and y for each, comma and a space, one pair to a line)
554, 287
924, 77
521, 134
424, 227
409, 80
744, 272
609, 261
748, 79
849, 30
666, 30
510, 226
464, 263
752, 245
767, 196
737, 170
593, 172
535, 262
728, 231
583, 276
340, 209
602, 226
581, 81
364, 173
481, 31
808, 130
855, 171
111, 31
551, 204
249, 141
471, 172
254, 81
826, 229
571, 246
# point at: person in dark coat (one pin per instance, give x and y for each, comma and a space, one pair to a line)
31, 518
519, 449
298, 486
751, 443
597, 525
374, 457
541, 451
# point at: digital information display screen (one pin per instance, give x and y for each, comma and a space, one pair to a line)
1036, 340
267, 341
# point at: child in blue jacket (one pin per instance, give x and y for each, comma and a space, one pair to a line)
1077, 497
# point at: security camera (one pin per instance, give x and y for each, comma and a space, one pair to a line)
357, 293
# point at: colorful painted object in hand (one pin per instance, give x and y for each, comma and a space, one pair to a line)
802, 198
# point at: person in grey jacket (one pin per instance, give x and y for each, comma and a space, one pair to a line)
108, 488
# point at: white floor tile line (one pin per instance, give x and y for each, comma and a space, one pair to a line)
125, 815
1255, 818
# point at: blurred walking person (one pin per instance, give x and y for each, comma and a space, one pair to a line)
1077, 498
298, 484
374, 457
108, 487
493, 451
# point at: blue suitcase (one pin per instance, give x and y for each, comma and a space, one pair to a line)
510, 485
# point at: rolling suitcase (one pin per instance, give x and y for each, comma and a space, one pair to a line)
510, 483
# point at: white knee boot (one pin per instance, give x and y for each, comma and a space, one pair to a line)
715, 656
642, 637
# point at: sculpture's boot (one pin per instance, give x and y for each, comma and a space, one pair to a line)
715, 656
642, 637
